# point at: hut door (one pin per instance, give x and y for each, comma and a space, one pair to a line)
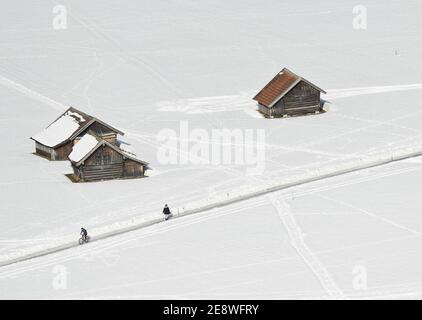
130, 170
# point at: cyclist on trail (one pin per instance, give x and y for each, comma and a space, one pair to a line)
166, 212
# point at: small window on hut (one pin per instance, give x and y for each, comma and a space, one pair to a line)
106, 159
98, 159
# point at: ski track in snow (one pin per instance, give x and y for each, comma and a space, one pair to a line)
32, 94
244, 100
99, 33
296, 238
351, 92
297, 194
373, 215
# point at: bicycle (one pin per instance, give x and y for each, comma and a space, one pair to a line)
83, 239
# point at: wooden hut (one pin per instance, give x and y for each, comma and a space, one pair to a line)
94, 159
288, 94
56, 141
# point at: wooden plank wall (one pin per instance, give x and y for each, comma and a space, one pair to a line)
132, 169
62, 152
302, 99
104, 164
263, 109
104, 155
44, 151
102, 172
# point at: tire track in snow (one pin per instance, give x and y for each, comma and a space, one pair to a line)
296, 238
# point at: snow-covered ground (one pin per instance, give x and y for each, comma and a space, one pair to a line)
352, 236
147, 67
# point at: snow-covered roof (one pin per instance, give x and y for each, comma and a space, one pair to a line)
127, 149
61, 129
67, 127
88, 144
85, 145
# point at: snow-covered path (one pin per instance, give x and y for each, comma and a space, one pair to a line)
261, 187
302, 258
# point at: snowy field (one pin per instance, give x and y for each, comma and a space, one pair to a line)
146, 67
313, 241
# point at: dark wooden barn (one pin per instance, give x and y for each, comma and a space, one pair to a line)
288, 94
94, 159
56, 141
